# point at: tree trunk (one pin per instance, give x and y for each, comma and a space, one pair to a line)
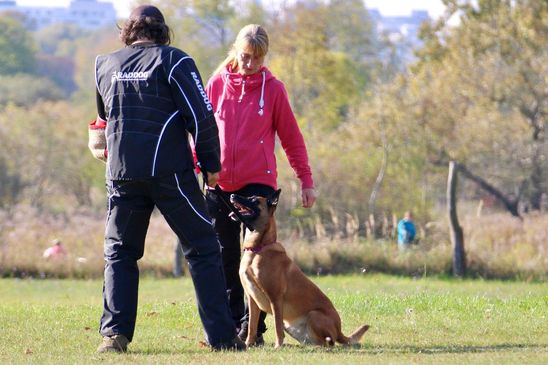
536, 178
534, 114
457, 239
384, 163
378, 181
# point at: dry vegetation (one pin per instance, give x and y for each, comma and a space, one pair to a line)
497, 246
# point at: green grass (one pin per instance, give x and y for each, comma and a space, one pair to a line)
426, 321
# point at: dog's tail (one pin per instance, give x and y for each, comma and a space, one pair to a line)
355, 337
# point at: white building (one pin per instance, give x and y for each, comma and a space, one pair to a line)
402, 26
87, 14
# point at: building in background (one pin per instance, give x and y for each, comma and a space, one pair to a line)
397, 27
402, 31
87, 14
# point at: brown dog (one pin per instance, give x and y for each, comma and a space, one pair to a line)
274, 284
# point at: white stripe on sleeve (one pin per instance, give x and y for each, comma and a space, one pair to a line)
193, 113
173, 68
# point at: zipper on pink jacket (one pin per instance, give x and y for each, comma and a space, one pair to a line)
236, 136
243, 91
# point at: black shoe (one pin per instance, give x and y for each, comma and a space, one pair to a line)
259, 341
235, 345
242, 334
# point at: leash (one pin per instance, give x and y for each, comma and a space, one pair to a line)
221, 195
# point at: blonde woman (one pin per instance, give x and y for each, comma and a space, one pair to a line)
251, 107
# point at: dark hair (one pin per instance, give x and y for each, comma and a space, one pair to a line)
145, 28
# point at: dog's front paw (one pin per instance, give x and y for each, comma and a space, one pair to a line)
251, 342
258, 341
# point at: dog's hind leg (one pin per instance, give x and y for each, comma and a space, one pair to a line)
322, 330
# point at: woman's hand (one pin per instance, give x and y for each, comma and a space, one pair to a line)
309, 197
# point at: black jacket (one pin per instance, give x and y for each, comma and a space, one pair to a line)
151, 97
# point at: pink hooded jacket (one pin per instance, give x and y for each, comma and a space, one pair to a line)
250, 111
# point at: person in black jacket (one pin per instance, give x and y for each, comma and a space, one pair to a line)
152, 98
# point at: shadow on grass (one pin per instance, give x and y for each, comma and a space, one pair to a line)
365, 349
447, 349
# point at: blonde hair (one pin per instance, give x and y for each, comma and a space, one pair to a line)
252, 37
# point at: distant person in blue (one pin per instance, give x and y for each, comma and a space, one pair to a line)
406, 231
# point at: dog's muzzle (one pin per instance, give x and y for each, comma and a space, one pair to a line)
244, 210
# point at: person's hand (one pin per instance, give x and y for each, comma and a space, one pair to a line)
308, 197
212, 178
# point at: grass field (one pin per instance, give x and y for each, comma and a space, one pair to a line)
426, 321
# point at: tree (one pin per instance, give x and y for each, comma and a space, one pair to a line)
203, 29
322, 83
213, 15
46, 156
59, 39
357, 37
84, 53
35, 89
484, 84
17, 49
457, 237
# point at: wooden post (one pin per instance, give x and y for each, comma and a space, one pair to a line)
457, 239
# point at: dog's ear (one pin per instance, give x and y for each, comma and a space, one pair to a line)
273, 199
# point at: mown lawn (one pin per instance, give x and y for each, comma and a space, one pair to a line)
426, 321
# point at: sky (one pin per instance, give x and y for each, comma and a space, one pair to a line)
386, 7
121, 6
403, 7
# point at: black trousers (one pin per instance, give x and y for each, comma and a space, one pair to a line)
228, 233
179, 199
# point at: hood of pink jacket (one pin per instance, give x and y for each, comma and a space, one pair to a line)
237, 84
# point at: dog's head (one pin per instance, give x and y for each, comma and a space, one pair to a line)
255, 210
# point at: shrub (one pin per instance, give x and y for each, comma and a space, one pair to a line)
497, 246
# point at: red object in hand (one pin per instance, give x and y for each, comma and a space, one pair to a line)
98, 124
